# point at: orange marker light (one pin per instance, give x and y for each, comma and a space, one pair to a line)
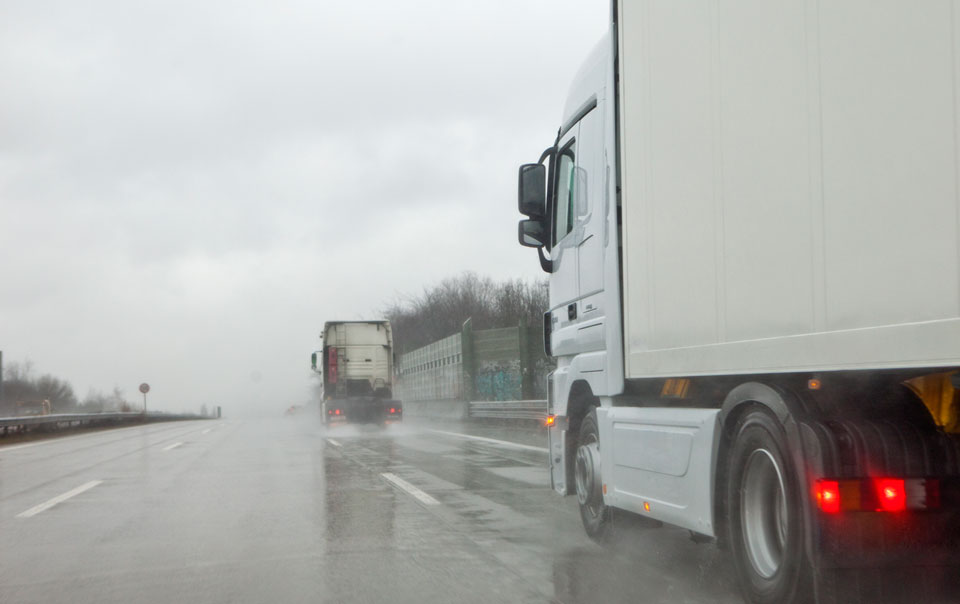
814, 384
646, 506
550, 420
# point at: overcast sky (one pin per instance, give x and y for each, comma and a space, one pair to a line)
190, 189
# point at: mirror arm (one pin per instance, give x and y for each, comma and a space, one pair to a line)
545, 263
546, 153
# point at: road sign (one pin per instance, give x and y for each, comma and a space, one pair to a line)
144, 387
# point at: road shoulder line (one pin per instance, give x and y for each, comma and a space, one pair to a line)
494, 441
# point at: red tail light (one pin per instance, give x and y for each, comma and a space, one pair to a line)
336, 412
930, 493
393, 410
891, 495
828, 496
878, 495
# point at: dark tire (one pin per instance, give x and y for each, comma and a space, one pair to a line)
766, 519
597, 518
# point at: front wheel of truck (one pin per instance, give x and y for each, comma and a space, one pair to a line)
596, 516
766, 519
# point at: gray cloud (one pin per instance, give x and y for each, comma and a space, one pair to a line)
189, 190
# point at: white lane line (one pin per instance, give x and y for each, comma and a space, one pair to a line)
334, 443
90, 436
173, 446
46, 505
15, 447
409, 488
502, 443
207, 431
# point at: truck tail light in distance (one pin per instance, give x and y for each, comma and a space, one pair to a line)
877, 495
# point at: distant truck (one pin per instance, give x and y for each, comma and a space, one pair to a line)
356, 363
749, 217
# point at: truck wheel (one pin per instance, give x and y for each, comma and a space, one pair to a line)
766, 519
597, 517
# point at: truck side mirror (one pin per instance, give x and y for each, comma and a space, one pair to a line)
532, 191
531, 233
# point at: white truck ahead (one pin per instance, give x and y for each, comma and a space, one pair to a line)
356, 363
751, 221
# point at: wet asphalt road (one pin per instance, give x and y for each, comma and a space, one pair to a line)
285, 511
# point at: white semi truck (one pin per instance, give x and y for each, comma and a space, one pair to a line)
356, 363
751, 221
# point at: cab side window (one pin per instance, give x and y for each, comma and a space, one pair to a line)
565, 215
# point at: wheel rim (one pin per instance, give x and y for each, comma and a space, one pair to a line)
763, 513
585, 475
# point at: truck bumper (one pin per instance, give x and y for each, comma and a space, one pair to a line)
363, 410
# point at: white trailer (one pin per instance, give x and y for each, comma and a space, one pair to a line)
751, 221
356, 363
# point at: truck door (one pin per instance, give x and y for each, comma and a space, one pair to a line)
590, 219
564, 284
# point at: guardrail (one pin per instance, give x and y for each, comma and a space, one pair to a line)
62, 421
528, 410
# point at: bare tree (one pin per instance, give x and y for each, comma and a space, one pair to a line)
21, 385
57, 391
442, 309
95, 402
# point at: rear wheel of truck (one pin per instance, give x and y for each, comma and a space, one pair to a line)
766, 519
597, 517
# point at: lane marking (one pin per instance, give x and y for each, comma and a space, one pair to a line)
46, 505
409, 488
89, 435
173, 446
207, 431
502, 443
334, 443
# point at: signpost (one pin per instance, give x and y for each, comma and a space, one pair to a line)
144, 388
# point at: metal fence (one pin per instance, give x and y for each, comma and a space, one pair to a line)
527, 410
434, 372
64, 421
505, 364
